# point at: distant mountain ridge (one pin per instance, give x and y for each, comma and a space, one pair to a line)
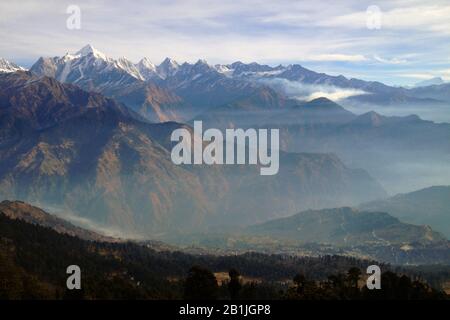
370, 140
436, 91
342, 231
430, 82
346, 226
89, 155
429, 206
377, 235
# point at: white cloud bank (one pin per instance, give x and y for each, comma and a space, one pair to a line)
301, 91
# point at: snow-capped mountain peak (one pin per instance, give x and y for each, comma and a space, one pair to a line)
69, 56
202, 65
222, 68
167, 68
7, 66
125, 64
89, 67
147, 69
146, 63
88, 49
202, 62
169, 62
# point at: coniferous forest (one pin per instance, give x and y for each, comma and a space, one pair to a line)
33, 262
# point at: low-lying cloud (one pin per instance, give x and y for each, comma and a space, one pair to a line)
302, 91
86, 223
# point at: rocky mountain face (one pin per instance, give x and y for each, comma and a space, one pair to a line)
29, 103
92, 157
120, 79
59, 163
430, 206
203, 87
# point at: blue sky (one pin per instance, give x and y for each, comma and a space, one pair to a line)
411, 44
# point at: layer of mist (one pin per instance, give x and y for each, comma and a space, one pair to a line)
436, 113
302, 91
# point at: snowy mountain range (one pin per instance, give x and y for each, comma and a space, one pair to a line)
181, 91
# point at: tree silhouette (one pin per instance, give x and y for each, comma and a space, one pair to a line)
234, 286
200, 284
300, 283
353, 275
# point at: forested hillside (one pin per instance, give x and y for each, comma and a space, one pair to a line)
33, 262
